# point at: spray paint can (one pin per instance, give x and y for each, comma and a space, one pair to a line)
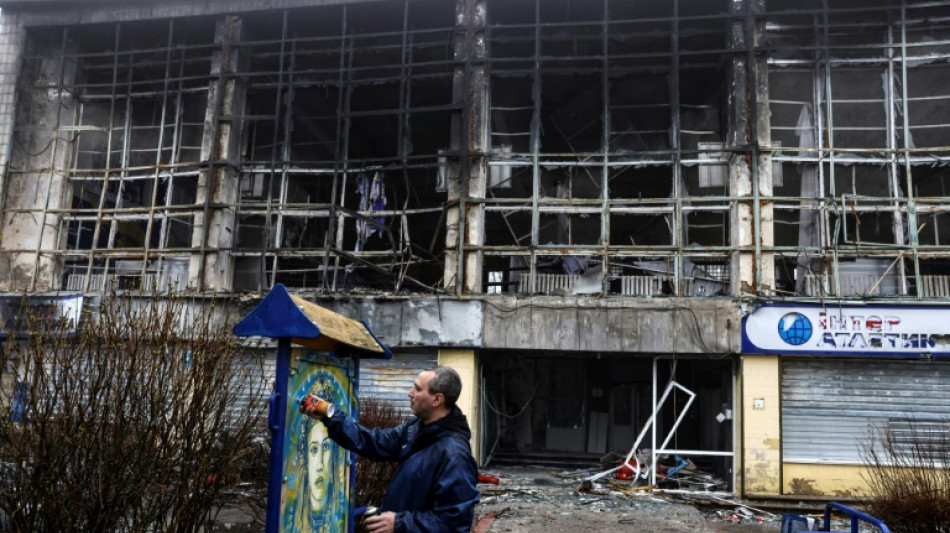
316, 406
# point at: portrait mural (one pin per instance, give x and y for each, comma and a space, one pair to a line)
316, 493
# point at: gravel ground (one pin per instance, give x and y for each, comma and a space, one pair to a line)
535, 499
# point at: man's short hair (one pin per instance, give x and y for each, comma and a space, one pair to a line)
446, 382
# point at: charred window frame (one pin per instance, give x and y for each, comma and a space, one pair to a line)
609, 160
109, 131
348, 109
581, 91
858, 101
311, 160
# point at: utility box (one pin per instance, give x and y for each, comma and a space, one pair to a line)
312, 480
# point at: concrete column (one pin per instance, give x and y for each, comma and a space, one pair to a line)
39, 184
753, 267
12, 37
470, 141
761, 454
465, 362
211, 265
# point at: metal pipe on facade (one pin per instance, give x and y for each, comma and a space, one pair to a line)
911, 204
346, 88
535, 147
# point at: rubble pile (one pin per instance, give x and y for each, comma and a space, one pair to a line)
542, 493
672, 472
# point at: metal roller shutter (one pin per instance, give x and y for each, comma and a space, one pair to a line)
829, 406
391, 379
256, 388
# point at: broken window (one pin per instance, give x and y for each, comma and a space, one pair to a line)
607, 118
348, 109
121, 145
598, 148
322, 135
855, 96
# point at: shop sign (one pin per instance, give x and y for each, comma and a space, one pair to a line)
847, 330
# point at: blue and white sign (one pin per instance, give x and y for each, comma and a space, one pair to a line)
847, 330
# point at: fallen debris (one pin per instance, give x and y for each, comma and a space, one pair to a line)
745, 508
541, 499
629, 489
730, 510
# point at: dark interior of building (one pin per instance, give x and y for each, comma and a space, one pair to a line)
564, 409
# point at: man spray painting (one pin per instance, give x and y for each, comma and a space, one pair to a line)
434, 488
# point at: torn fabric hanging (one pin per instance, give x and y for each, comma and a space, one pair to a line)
372, 198
808, 217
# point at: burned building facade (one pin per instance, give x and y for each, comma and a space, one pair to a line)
577, 203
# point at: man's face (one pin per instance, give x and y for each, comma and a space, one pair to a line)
420, 401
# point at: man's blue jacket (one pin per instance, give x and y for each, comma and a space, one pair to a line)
434, 488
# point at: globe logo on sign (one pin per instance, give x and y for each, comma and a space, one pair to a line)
794, 328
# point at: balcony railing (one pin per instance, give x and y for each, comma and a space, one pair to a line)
935, 286
564, 284
865, 285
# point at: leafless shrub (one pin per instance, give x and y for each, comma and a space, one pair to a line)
129, 421
372, 478
908, 473
250, 494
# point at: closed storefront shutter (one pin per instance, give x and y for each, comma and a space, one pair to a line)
390, 380
831, 406
255, 375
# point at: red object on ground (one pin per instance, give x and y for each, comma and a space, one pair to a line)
624, 473
485, 478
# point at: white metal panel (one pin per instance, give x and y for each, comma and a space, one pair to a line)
830, 406
390, 380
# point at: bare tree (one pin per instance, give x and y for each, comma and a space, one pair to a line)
908, 474
137, 419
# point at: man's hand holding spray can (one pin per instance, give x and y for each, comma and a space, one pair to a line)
316, 407
375, 521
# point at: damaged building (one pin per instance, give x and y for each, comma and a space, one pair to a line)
715, 225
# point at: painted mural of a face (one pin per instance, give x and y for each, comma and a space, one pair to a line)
319, 467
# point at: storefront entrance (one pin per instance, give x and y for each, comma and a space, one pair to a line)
569, 410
